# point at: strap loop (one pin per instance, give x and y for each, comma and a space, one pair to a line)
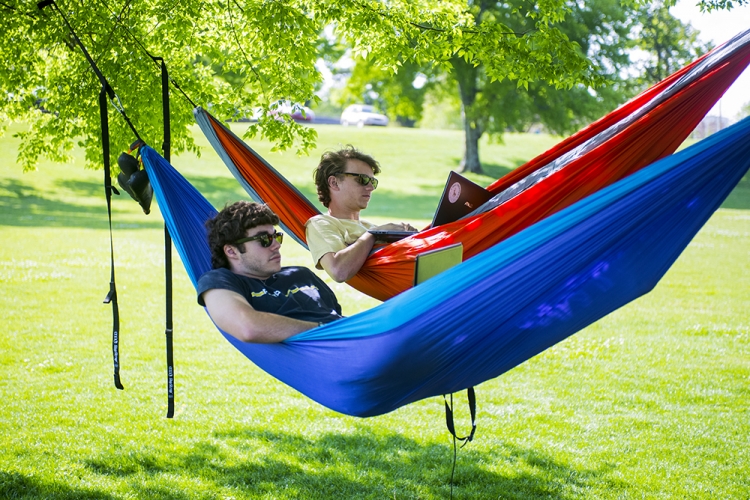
472, 410
108, 188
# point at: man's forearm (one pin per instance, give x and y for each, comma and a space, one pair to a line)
267, 328
345, 263
233, 314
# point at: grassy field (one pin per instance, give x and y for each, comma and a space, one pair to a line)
650, 402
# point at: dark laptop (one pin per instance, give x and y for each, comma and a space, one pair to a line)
390, 236
434, 262
460, 198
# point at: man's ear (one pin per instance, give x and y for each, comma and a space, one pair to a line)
230, 251
333, 182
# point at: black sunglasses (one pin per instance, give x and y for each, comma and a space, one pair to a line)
264, 238
363, 179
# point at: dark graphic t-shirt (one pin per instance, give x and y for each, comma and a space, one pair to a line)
295, 292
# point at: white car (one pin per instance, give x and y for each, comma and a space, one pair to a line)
361, 115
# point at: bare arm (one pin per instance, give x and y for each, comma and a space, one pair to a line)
232, 313
345, 263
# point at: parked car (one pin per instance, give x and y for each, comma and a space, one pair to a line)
361, 115
297, 112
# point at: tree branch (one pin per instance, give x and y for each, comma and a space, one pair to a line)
242, 50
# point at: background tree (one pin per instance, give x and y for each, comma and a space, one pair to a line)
665, 42
268, 47
494, 105
710, 5
606, 32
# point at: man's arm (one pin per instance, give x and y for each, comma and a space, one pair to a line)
344, 264
232, 313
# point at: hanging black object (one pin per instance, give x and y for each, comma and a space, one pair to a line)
133, 179
106, 92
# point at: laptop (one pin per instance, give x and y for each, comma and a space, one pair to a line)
382, 236
434, 262
460, 198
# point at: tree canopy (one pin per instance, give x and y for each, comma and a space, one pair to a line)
237, 56
630, 45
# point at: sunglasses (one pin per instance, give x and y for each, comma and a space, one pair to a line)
363, 179
264, 238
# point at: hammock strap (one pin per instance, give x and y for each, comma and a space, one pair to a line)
452, 429
472, 409
106, 92
108, 189
168, 331
168, 326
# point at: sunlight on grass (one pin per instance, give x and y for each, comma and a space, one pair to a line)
651, 401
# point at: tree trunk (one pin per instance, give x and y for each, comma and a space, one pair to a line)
470, 161
467, 76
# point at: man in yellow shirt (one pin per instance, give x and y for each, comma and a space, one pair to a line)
339, 241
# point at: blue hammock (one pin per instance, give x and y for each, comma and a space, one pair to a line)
499, 308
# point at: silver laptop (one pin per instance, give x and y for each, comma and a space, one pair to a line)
390, 236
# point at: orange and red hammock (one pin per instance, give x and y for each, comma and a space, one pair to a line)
647, 128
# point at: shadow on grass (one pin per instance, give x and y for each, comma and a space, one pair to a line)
23, 205
399, 206
219, 190
353, 465
15, 485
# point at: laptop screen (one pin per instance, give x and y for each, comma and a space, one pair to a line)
460, 198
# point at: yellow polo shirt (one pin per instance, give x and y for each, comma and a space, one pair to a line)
328, 234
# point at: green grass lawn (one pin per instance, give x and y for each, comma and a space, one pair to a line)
650, 402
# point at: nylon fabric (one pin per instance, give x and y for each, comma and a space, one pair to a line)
501, 307
244, 163
649, 127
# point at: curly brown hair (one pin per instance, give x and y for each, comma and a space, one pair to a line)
232, 223
334, 163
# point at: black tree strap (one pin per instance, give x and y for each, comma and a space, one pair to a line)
168, 328
108, 188
472, 409
167, 244
449, 422
159, 61
106, 92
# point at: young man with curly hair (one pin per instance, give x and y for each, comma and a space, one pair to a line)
339, 241
248, 293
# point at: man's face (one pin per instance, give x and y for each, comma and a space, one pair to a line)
352, 194
254, 260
